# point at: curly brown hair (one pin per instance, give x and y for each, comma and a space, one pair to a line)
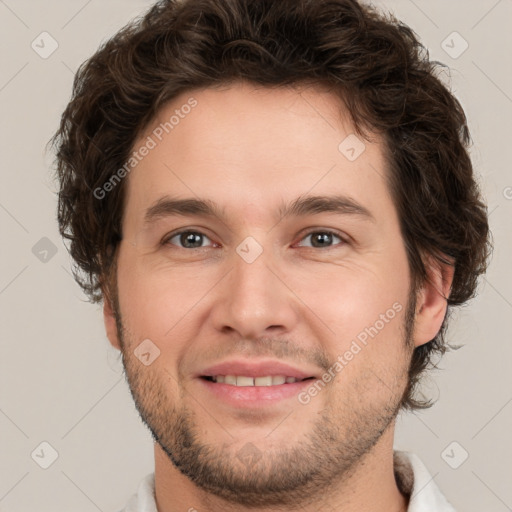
372, 61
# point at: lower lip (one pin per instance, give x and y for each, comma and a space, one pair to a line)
255, 396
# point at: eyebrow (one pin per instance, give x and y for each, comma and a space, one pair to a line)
302, 206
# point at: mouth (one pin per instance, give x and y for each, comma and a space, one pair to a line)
247, 381
243, 392
257, 384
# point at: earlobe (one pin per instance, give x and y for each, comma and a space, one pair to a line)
432, 302
109, 320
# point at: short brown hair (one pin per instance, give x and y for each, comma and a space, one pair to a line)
373, 62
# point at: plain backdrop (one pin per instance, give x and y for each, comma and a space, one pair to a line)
62, 383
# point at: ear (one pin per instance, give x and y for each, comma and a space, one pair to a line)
432, 301
109, 320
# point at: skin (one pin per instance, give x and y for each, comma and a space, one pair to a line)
249, 149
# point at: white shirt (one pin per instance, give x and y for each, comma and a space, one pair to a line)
413, 479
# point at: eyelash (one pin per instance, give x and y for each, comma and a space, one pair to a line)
166, 240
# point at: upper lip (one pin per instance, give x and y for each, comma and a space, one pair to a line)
254, 368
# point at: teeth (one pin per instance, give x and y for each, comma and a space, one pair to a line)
230, 379
243, 381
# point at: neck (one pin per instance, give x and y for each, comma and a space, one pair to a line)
370, 486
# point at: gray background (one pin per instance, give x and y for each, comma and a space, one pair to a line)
62, 383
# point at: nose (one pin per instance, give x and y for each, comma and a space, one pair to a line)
254, 299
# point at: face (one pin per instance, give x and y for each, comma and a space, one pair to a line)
297, 270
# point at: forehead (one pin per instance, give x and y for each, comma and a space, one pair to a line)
250, 147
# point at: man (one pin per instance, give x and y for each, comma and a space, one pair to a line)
275, 203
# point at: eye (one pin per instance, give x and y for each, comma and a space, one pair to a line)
188, 239
322, 238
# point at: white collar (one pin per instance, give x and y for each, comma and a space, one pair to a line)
414, 479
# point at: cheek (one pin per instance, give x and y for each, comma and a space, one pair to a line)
350, 298
370, 357
364, 309
158, 303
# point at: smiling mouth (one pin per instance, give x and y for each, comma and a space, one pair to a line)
245, 381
